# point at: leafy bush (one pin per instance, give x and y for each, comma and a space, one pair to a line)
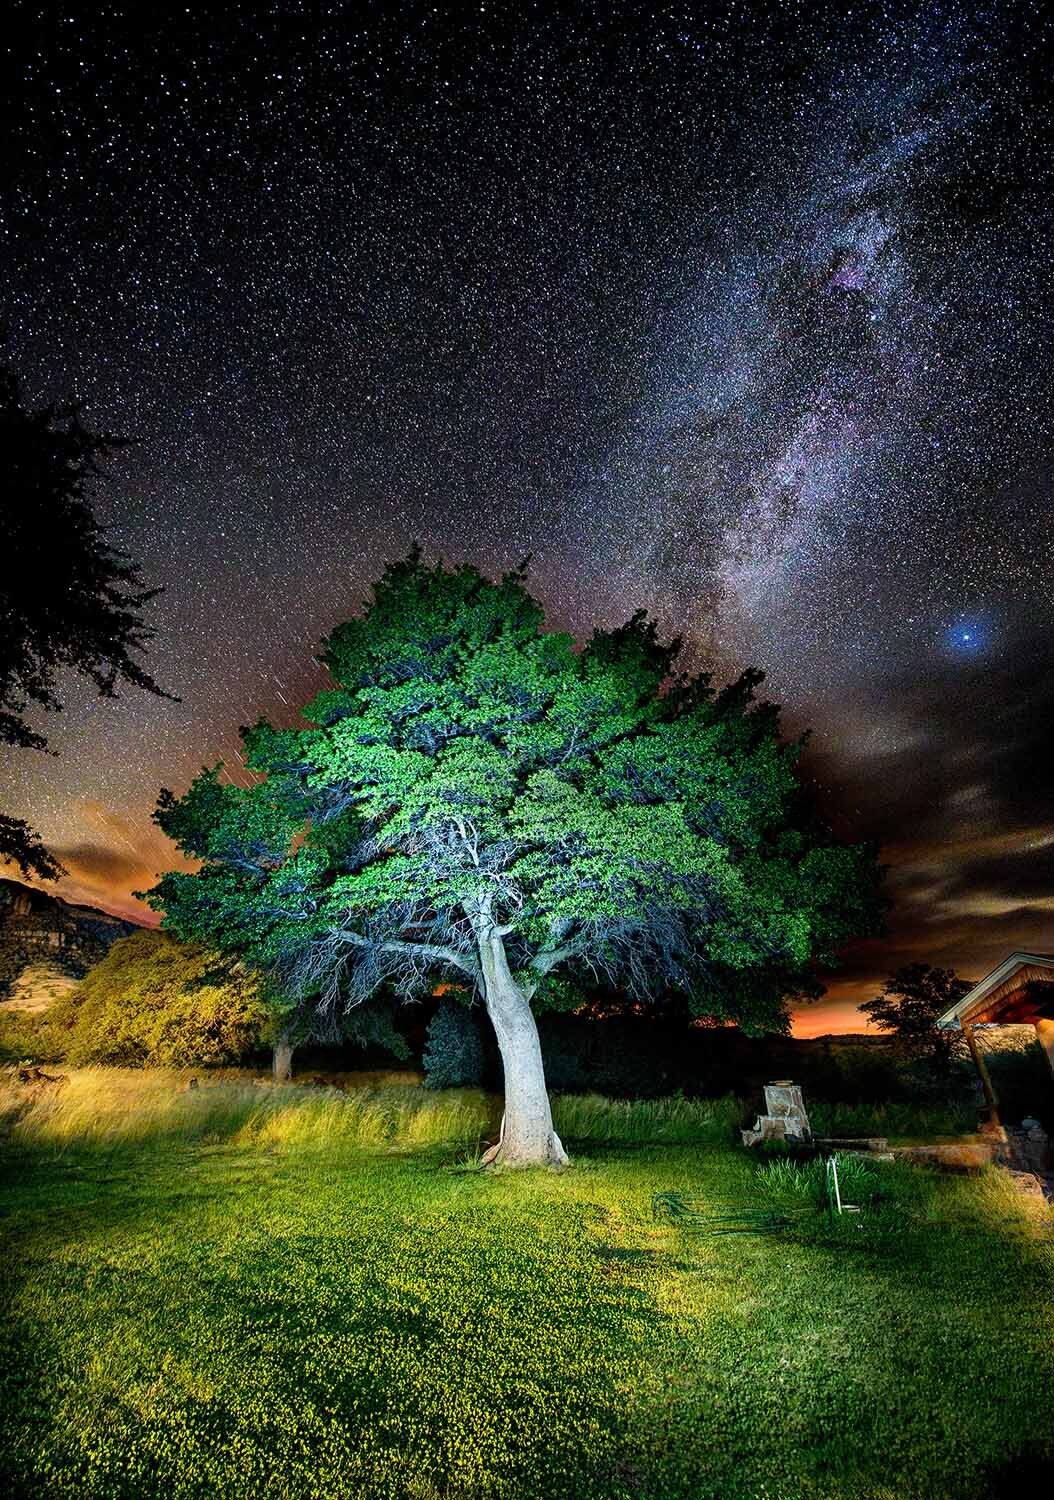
156, 1002
453, 1055
29, 1035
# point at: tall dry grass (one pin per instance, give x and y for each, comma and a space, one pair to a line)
102, 1107
113, 1107
594, 1117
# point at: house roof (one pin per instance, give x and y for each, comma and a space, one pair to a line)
985, 1001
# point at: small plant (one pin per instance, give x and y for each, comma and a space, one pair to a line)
806, 1181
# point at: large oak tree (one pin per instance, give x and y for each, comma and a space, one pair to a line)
478, 802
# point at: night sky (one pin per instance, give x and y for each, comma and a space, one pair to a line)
741, 314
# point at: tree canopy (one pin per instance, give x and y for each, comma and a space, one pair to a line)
479, 801
68, 599
911, 1000
156, 1002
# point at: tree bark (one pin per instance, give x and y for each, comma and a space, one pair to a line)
282, 1059
527, 1135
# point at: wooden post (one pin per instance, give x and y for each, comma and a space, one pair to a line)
1045, 1036
986, 1082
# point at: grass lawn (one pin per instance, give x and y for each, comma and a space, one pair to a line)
246, 1292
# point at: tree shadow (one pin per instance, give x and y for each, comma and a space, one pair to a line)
1030, 1472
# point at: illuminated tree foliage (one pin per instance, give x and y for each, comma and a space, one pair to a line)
479, 803
155, 1002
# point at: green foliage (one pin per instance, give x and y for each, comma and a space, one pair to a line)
232, 1308
369, 1024
453, 1056
21, 845
557, 992
894, 1118
156, 1002
29, 1036
474, 774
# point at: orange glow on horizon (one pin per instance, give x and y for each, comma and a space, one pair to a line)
827, 1019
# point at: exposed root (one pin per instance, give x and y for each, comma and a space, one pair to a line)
554, 1157
490, 1156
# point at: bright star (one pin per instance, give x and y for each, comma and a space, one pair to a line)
968, 637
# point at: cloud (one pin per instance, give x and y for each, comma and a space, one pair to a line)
100, 863
958, 791
113, 857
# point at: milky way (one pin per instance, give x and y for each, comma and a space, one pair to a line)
741, 317
819, 426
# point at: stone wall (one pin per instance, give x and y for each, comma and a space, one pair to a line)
46, 933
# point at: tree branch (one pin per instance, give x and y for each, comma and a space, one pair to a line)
415, 950
550, 957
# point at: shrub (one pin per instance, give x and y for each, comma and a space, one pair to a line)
156, 1002
29, 1035
453, 1055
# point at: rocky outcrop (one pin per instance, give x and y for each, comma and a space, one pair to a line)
45, 942
1027, 1148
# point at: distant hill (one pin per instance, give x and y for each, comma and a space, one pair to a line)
46, 944
846, 1039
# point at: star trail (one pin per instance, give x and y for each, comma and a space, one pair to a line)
741, 314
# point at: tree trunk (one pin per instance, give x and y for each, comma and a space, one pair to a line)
282, 1060
527, 1135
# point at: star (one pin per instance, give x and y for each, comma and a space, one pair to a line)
740, 320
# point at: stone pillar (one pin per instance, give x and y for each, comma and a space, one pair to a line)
786, 1119
1045, 1035
783, 1101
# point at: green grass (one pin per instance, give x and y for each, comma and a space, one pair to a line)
895, 1119
242, 1292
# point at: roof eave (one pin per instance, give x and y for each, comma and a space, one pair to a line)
951, 1020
